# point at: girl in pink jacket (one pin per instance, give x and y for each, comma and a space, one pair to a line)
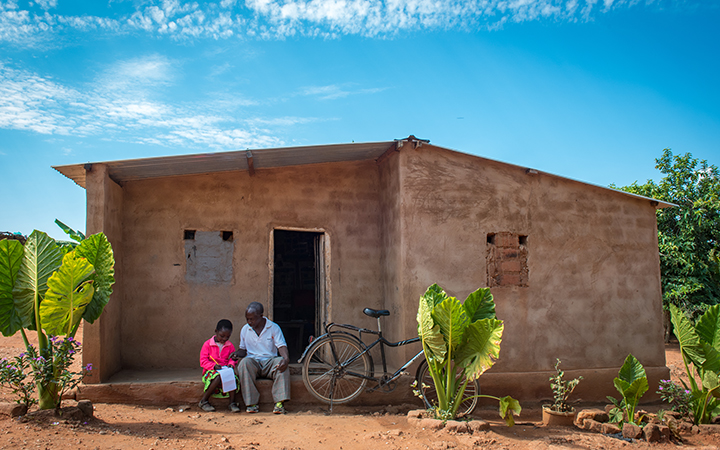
214, 355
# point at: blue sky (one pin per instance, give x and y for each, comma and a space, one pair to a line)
588, 89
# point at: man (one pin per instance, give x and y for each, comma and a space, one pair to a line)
260, 342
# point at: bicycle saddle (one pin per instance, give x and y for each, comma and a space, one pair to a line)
376, 312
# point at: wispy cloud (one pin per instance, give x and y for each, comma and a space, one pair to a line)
277, 19
334, 91
125, 111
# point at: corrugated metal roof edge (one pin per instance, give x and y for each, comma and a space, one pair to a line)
70, 167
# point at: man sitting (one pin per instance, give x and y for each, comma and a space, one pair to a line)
260, 342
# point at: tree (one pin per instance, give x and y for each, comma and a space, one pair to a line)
689, 234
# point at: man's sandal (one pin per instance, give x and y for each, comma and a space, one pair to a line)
252, 409
206, 406
234, 407
279, 408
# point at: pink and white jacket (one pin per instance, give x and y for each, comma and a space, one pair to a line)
210, 354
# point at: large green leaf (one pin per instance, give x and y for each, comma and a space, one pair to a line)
480, 305
481, 347
75, 235
433, 342
11, 253
509, 407
450, 316
708, 327
690, 345
98, 251
435, 294
41, 258
69, 292
632, 381
712, 358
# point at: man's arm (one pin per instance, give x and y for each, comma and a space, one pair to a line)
286, 358
241, 352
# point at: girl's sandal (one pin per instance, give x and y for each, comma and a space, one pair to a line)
206, 406
234, 407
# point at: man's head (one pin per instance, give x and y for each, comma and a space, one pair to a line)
254, 314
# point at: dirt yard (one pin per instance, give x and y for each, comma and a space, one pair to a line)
131, 427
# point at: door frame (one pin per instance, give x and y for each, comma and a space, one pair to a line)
323, 293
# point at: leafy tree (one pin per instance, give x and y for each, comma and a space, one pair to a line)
689, 234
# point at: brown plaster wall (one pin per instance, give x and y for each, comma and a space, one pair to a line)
593, 293
166, 319
104, 214
391, 208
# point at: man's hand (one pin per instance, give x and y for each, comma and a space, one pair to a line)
237, 354
283, 365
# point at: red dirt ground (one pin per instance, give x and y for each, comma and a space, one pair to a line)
303, 428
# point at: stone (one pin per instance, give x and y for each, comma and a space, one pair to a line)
592, 425
86, 407
430, 424
416, 414
665, 433
477, 426
631, 431
597, 415
652, 433
73, 413
610, 428
13, 409
457, 426
684, 427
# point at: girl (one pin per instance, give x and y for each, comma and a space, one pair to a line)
215, 354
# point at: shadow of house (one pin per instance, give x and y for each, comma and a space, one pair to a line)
318, 233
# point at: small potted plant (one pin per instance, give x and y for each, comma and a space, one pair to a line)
560, 413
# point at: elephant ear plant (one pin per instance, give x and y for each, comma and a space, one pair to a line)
49, 288
700, 349
631, 383
461, 341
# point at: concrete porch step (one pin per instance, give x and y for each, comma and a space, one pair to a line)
184, 386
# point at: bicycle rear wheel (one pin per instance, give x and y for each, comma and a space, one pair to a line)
327, 374
429, 394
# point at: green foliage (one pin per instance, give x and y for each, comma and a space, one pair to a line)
461, 341
679, 398
14, 376
562, 389
700, 349
631, 383
688, 235
49, 288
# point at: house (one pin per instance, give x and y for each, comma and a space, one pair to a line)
318, 233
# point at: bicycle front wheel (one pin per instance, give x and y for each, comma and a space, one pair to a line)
327, 373
429, 395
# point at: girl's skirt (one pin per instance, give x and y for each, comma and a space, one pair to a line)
208, 378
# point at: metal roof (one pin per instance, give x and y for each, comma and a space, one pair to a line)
168, 166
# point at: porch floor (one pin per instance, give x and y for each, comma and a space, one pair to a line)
184, 386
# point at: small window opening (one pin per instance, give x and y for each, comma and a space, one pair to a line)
522, 239
491, 238
189, 235
227, 235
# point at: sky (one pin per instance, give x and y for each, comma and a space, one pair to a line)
591, 90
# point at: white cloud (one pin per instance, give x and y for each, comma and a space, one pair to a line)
127, 111
334, 91
277, 19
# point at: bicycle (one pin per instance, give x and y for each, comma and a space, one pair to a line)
338, 365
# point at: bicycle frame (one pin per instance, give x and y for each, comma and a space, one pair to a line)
366, 349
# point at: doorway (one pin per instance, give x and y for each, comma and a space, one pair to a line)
297, 286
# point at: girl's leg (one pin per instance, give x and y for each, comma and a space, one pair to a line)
214, 384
